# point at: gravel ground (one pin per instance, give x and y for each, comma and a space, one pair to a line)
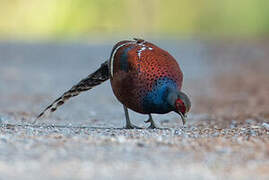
226, 136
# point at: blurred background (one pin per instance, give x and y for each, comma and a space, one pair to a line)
155, 18
47, 46
58, 42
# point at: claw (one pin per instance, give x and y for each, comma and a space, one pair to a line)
147, 121
131, 126
152, 124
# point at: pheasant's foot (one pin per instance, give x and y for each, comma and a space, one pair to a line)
152, 124
131, 126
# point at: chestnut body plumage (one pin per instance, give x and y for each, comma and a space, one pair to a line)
140, 75
144, 78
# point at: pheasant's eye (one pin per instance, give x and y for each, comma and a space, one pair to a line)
180, 106
186, 101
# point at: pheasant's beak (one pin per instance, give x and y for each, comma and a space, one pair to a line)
183, 117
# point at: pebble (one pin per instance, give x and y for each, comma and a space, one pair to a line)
250, 121
255, 127
266, 125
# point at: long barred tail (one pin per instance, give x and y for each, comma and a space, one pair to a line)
94, 79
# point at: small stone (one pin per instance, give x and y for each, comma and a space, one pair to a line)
255, 127
177, 132
250, 121
266, 125
233, 124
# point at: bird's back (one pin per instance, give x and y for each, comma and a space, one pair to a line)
141, 73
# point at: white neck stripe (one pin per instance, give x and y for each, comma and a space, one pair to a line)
113, 54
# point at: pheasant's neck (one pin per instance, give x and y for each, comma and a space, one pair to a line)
162, 97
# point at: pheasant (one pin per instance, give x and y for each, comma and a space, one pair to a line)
143, 77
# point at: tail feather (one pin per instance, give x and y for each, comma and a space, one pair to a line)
94, 79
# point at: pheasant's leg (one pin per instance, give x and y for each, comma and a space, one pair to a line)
129, 125
152, 124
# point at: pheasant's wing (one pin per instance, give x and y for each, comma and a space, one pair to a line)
94, 79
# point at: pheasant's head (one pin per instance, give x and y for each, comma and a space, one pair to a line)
180, 103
